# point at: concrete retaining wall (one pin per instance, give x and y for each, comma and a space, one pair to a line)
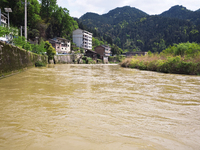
68, 59
14, 59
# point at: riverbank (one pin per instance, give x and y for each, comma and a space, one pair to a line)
169, 64
183, 58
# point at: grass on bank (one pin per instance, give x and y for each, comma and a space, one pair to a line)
183, 58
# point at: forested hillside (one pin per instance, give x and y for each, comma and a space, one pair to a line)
45, 18
155, 33
181, 12
103, 23
134, 30
177, 11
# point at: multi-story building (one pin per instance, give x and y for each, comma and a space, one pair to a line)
3, 23
82, 39
3, 20
104, 51
62, 46
13, 31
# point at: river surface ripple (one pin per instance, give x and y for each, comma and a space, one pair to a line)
103, 107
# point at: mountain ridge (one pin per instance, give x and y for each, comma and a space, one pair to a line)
113, 16
113, 10
133, 29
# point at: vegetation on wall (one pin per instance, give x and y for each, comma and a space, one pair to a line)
15, 59
35, 48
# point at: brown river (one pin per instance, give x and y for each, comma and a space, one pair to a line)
99, 107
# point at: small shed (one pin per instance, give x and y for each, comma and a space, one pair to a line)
91, 54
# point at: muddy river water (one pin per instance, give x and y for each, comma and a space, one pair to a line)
99, 107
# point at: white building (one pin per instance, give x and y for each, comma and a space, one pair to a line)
62, 46
3, 20
82, 39
3, 23
13, 31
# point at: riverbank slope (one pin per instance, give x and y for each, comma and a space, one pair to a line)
183, 58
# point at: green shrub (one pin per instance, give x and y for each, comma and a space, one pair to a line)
40, 64
133, 63
183, 58
182, 49
90, 61
84, 58
142, 65
84, 61
99, 61
152, 66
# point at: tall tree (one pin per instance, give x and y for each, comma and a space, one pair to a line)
34, 14
47, 8
3, 3
61, 24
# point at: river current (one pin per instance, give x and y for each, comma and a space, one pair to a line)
99, 107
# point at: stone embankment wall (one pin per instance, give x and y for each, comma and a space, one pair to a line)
14, 59
68, 59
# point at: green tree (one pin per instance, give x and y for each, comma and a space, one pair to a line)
39, 49
116, 50
50, 50
22, 43
61, 24
47, 9
33, 10
4, 31
95, 42
109, 40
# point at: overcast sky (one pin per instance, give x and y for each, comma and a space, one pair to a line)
77, 8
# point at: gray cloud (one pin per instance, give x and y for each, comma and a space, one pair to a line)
79, 7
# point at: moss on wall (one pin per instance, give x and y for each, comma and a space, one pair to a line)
14, 59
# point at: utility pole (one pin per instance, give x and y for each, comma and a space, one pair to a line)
8, 21
25, 20
0, 16
25, 30
21, 30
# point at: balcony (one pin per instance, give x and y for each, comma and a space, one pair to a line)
107, 54
107, 51
3, 21
87, 35
87, 47
86, 40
